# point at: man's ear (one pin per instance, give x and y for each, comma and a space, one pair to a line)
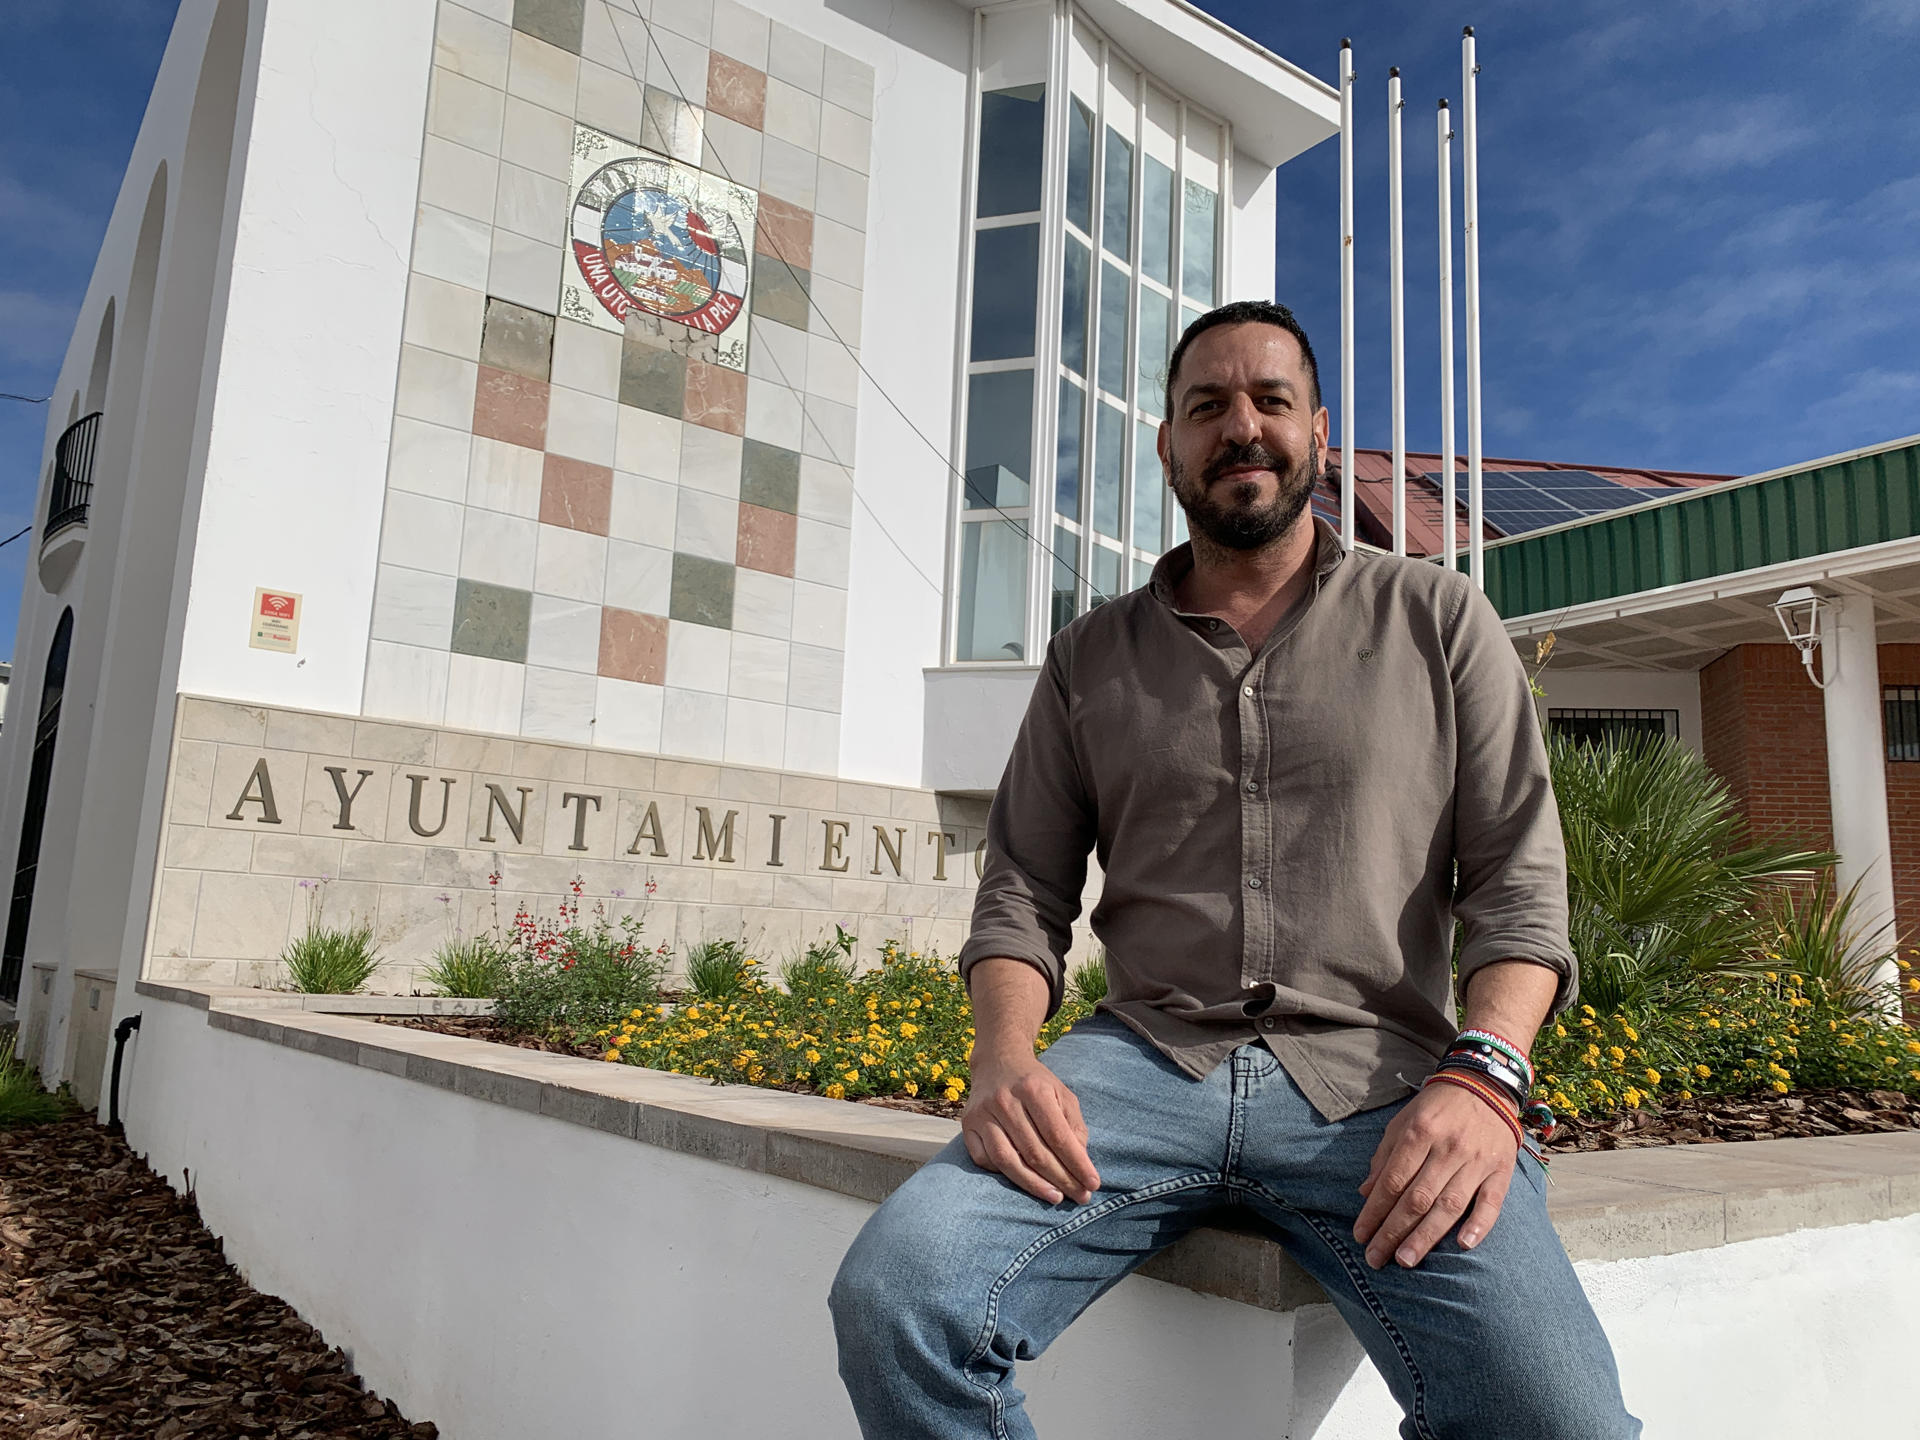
1163, 443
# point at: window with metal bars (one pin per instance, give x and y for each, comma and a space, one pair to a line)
1902, 704
1593, 727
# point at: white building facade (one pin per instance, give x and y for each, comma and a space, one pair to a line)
544, 441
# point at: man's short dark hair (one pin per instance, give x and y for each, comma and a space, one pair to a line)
1244, 312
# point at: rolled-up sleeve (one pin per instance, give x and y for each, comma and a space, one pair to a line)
1511, 893
1039, 832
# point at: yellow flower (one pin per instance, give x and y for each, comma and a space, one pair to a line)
853, 1076
1703, 1072
1588, 1011
1773, 977
1631, 1096
1781, 1086
1653, 1076
611, 1055
1616, 1052
813, 1057
911, 1088
1686, 1094
1713, 1024
836, 1092
907, 1032
1560, 1031
1630, 1032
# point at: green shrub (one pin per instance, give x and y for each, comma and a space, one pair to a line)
22, 1101
823, 965
717, 969
1087, 981
1816, 936
327, 961
564, 979
468, 968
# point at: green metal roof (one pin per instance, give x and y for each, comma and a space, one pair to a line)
1865, 497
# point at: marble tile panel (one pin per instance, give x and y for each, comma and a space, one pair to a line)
464, 110
498, 549
563, 635
784, 230
191, 782
639, 577
763, 604
240, 798
707, 526
679, 778
756, 732
770, 476
813, 742
826, 491
815, 678
822, 553
846, 138
830, 430
406, 744
471, 45
833, 371
531, 204
646, 443
457, 179
298, 855
610, 98
517, 339
525, 271
698, 657
363, 809
443, 316
716, 397
732, 150
482, 694
710, 462
759, 787
693, 723
412, 607
740, 32
510, 407
538, 138
504, 477
543, 73
434, 387
632, 646
775, 415
420, 533
795, 58
792, 114
702, 591
778, 353
428, 459
780, 292
788, 172
377, 861
490, 753
626, 716
766, 540
651, 378
490, 621
559, 706
644, 511
744, 888
405, 682
196, 847
601, 44
757, 669
576, 494
582, 426
670, 125
678, 65
548, 762
847, 82
735, 90
840, 195
570, 563
586, 358
840, 252
222, 720
630, 32
691, 18
819, 615
242, 917
620, 772
558, 22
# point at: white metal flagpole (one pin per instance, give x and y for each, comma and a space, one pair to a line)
1449, 542
1397, 307
1346, 294
1476, 544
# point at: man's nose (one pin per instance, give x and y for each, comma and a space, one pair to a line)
1243, 420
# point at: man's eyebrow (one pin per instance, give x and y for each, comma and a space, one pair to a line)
1272, 382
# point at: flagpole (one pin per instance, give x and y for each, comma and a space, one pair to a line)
1450, 539
1476, 543
1397, 308
1346, 294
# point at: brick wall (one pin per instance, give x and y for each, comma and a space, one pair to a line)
1900, 665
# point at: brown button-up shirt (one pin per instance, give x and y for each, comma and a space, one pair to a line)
1280, 831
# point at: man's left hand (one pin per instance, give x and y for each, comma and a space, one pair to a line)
1444, 1152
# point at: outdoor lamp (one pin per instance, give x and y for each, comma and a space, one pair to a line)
1798, 611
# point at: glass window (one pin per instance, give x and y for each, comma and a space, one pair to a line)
999, 438
1187, 316
1105, 581
1179, 525
1116, 221
1196, 251
1149, 489
1006, 275
1013, 127
1065, 546
1113, 329
1076, 282
1155, 309
1156, 233
1080, 165
1142, 573
1066, 485
1109, 434
993, 591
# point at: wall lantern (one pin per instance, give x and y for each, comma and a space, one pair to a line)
1798, 611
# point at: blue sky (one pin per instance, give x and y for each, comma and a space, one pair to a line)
1696, 216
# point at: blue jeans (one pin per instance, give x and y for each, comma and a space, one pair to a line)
961, 1273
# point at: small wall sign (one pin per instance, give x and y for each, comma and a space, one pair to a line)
276, 621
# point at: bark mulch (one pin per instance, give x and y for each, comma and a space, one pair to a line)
120, 1318
1705, 1120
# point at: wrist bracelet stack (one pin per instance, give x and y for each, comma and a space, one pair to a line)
1498, 1071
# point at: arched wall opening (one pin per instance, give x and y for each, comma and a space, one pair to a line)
53, 684
102, 362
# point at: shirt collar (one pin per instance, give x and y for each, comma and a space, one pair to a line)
1174, 566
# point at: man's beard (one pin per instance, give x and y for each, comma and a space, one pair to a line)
1235, 520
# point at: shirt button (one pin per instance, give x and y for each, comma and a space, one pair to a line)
1253, 882
1213, 624
1253, 787
1246, 690
1267, 1022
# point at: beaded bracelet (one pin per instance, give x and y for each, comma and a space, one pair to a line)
1506, 1047
1486, 1094
1492, 1068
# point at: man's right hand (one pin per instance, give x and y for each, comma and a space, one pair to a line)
1024, 1123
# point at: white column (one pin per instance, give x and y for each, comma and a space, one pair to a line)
1857, 760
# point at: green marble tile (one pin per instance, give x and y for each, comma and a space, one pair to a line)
770, 476
702, 591
652, 378
517, 339
491, 620
558, 22
780, 291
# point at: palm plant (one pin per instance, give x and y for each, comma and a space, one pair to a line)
1087, 981
1663, 883
717, 969
1817, 935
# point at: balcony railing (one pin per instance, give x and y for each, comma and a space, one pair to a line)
73, 474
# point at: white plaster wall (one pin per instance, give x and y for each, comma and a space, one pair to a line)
506, 1275
1628, 690
972, 718
1251, 263
296, 463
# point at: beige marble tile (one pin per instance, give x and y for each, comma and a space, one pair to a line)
242, 917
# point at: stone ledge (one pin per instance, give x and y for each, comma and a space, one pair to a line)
240, 997
1617, 1205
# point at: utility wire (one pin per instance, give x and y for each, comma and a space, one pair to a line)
16, 535
854, 355
25, 399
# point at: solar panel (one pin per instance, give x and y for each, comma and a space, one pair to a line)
1516, 501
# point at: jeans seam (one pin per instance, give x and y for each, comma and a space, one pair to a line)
1368, 1298
996, 1401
